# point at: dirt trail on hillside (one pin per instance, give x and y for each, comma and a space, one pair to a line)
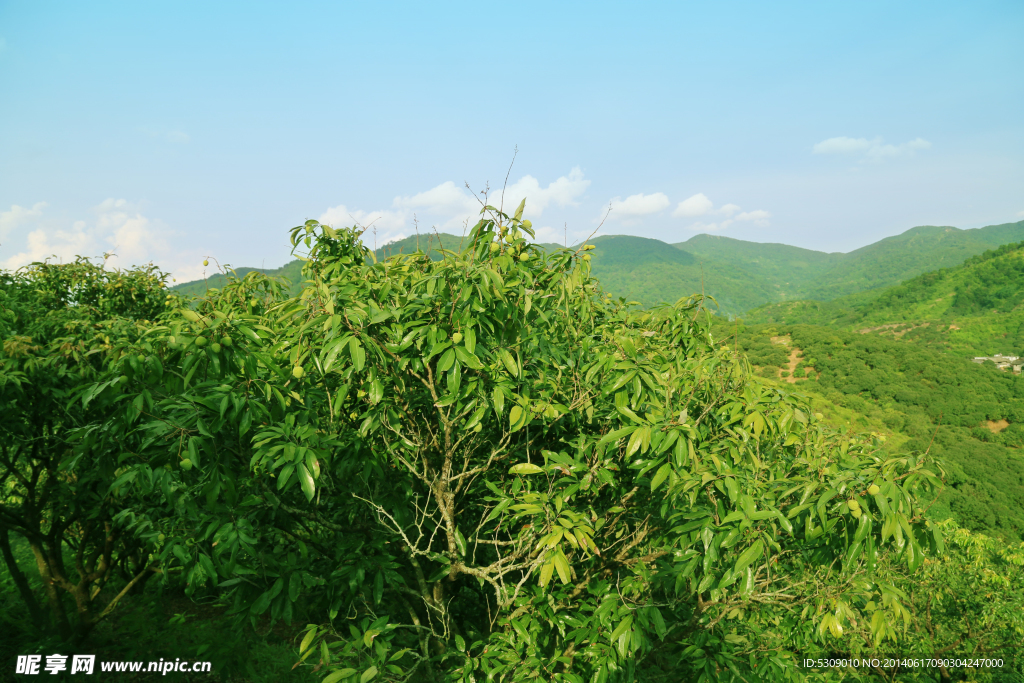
795, 355
996, 426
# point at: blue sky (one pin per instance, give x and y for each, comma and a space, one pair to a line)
174, 131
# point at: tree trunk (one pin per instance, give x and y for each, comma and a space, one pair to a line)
60, 617
27, 596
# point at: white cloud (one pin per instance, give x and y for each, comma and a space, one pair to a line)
563, 192
396, 238
842, 145
560, 235
758, 217
117, 229
382, 226
871, 150
451, 208
637, 205
446, 198
17, 216
1020, 214
697, 205
341, 215
701, 205
732, 214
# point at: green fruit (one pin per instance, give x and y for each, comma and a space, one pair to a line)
200, 342
873, 489
254, 303
853, 505
226, 341
588, 247
494, 247
298, 372
186, 464
457, 337
215, 347
161, 538
586, 257
525, 256
171, 340
527, 224
123, 380
206, 263
478, 428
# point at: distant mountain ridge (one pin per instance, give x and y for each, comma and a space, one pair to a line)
975, 308
740, 275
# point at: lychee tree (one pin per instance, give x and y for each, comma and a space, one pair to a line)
60, 324
485, 467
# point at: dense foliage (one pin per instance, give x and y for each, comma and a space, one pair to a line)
59, 323
472, 466
939, 401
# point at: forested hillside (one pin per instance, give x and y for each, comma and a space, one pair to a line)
971, 416
975, 308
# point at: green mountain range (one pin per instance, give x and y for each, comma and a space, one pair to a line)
975, 308
740, 275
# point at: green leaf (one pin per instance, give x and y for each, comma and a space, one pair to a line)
525, 468
499, 400
306, 481
747, 585
307, 639
623, 626
514, 417
357, 353
546, 570
499, 508
368, 675
447, 359
634, 442
376, 392
562, 567
284, 475
470, 340
509, 361
460, 542
749, 556
617, 434
661, 476
338, 675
